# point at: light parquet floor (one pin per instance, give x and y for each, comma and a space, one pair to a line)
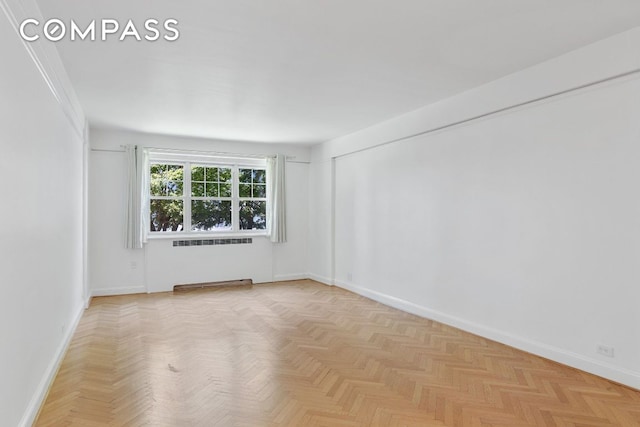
305, 354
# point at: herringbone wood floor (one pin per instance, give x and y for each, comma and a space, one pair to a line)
304, 354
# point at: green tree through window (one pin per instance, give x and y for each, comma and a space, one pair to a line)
166, 204
253, 199
211, 198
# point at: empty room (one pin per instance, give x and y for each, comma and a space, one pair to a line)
320, 213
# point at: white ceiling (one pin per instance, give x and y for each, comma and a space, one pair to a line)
307, 71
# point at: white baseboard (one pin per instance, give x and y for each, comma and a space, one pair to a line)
40, 395
287, 277
118, 291
579, 361
321, 279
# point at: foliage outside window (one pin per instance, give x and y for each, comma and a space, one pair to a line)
218, 198
166, 202
253, 199
211, 198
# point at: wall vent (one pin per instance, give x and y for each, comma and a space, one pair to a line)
210, 242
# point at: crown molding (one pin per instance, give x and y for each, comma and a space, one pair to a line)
46, 59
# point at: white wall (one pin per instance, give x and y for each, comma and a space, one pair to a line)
523, 227
41, 234
160, 266
290, 260
320, 220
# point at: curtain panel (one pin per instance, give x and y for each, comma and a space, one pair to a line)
277, 204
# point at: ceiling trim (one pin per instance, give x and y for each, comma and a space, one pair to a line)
45, 57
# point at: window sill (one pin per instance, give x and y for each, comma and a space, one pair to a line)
198, 236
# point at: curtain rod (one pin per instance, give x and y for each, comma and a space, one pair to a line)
210, 153
290, 159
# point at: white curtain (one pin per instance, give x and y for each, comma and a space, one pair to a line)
144, 195
134, 234
277, 219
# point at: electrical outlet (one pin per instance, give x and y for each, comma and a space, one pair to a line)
349, 277
134, 265
605, 350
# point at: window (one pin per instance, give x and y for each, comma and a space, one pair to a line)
253, 199
166, 197
211, 198
199, 196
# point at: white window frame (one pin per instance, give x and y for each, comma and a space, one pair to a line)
187, 160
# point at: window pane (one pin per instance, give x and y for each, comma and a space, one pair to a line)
259, 190
225, 190
173, 188
210, 215
166, 215
225, 175
157, 169
259, 176
197, 189
253, 215
212, 189
197, 173
157, 174
245, 175
166, 180
245, 190
212, 174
